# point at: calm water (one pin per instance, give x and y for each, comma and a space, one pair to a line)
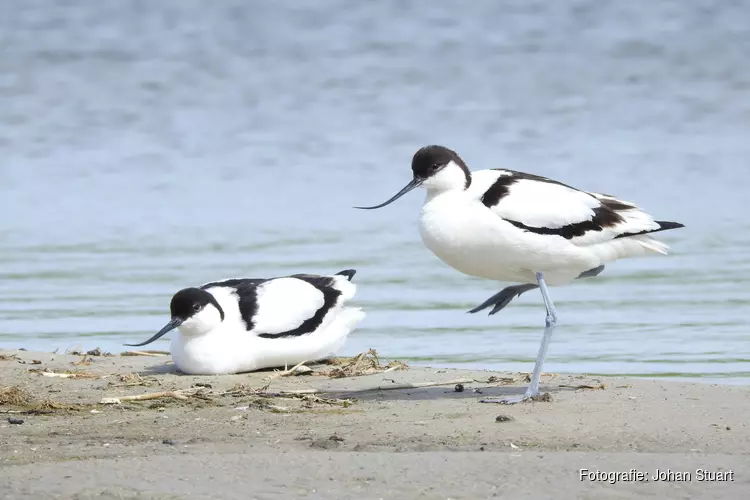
149, 146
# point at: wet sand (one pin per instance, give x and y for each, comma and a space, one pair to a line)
226, 439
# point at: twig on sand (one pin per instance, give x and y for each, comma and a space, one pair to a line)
52, 374
419, 385
584, 386
83, 361
297, 392
181, 394
144, 353
388, 387
58, 375
297, 369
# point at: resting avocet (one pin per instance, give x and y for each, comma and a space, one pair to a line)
241, 325
511, 226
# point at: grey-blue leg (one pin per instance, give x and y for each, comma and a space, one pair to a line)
550, 323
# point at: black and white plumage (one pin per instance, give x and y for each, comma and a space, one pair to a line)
240, 325
512, 226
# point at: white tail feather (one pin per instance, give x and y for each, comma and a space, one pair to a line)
652, 244
629, 246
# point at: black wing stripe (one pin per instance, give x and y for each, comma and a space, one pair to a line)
498, 190
330, 296
604, 217
247, 296
501, 187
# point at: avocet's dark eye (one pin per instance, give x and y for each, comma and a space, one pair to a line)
197, 307
434, 167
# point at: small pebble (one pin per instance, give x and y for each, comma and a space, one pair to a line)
459, 388
15, 421
327, 444
168, 441
503, 418
545, 398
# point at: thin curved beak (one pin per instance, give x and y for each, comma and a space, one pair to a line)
167, 328
415, 183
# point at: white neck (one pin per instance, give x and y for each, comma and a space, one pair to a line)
202, 322
449, 178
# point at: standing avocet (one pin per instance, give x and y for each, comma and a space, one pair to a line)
511, 226
241, 325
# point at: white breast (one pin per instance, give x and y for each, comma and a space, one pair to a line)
469, 237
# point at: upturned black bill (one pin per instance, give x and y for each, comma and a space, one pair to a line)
413, 184
167, 328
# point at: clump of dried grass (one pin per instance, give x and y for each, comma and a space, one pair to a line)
14, 396
366, 363
48, 405
134, 379
23, 402
85, 361
242, 390
8, 357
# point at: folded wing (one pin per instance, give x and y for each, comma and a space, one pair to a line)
543, 206
288, 306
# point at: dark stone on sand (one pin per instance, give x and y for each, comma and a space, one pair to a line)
542, 398
503, 418
326, 444
15, 421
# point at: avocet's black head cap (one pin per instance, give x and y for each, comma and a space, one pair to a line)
425, 163
185, 304
431, 159
190, 301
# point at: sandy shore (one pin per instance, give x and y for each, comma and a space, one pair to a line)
226, 439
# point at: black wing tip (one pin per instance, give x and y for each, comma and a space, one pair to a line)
349, 273
664, 225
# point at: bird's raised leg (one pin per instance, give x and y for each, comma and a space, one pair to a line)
550, 323
503, 298
507, 294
